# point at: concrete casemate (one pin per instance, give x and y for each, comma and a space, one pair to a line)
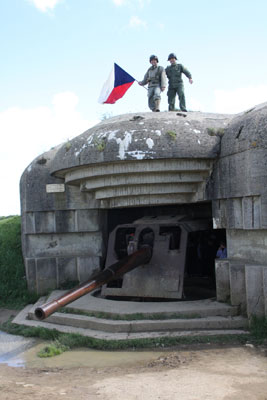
151, 160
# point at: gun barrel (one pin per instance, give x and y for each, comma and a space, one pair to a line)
113, 272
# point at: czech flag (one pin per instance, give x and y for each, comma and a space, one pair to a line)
116, 86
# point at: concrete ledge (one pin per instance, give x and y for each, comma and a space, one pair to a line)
118, 326
21, 319
198, 308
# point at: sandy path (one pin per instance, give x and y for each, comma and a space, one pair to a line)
218, 374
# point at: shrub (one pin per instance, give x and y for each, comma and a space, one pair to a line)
13, 286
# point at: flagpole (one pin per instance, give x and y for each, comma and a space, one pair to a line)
140, 85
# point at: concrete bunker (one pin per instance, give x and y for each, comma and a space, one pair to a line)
147, 162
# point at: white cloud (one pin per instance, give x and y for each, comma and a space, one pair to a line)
238, 100
27, 133
45, 5
136, 22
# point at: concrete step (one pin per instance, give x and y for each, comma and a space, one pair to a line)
116, 309
118, 326
22, 319
154, 317
181, 318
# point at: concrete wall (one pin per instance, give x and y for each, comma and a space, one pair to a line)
242, 284
63, 232
238, 190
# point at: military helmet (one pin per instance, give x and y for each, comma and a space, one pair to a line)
172, 55
153, 57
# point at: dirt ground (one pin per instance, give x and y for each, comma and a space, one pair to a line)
194, 373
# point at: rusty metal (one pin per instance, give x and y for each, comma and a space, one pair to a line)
113, 272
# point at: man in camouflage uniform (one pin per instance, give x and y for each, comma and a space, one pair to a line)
157, 82
176, 85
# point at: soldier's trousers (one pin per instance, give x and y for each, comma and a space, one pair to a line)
171, 97
153, 94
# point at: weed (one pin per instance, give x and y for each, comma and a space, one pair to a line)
172, 134
53, 349
215, 132
100, 144
67, 145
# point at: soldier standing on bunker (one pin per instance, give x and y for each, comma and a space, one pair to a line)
176, 85
157, 82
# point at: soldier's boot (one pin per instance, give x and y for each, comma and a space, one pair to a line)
157, 105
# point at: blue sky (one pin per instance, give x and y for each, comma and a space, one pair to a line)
56, 55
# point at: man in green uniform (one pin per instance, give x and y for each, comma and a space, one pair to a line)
157, 82
174, 74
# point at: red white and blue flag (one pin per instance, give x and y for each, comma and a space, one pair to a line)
116, 86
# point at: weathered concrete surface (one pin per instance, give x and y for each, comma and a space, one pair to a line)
238, 285
145, 159
254, 290
247, 244
238, 186
190, 309
22, 319
107, 325
206, 317
222, 280
143, 136
264, 282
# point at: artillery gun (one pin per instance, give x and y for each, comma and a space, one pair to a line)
157, 245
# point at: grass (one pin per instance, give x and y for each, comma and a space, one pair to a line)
13, 286
54, 349
61, 342
74, 340
258, 328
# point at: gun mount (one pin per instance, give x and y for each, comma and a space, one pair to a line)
163, 276
115, 271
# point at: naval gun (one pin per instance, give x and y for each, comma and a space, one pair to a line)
157, 245
163, 275
115, 271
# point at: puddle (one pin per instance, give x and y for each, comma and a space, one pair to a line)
88, 358
16, 351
